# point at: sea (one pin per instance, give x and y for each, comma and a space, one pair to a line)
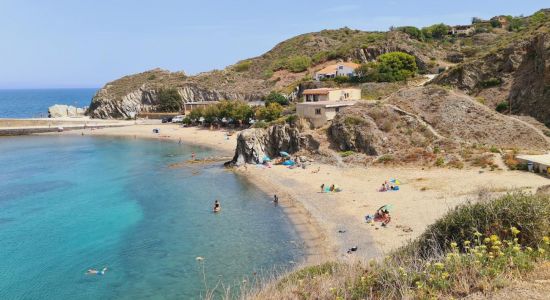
34, 103
73, 203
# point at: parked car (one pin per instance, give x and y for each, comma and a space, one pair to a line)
177, 119
166, 119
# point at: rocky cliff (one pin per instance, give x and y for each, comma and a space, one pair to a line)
139, 93
256, 143
514, 70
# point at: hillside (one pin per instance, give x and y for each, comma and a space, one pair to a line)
513, 69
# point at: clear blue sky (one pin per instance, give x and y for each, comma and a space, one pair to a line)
85, 43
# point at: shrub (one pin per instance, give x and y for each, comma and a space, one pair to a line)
385, 158
440, 161
396, 66
243, 66
270, 112
412, 31
437, 31
169, 100
291, 119
260, 124
275, 97
529, 213
490, 82
347, 153
354, 120
502, 107
494, 149
298, 64
152, 77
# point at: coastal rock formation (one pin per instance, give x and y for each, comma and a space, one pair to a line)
139, 93
256, 143
378, 129
518, 74
62, 111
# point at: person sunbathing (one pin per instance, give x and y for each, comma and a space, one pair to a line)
332, 188
383, 215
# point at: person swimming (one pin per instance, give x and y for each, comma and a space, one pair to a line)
96, 272
217, 206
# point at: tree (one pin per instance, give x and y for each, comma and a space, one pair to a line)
275, 97
437, 31
539, 17
298, 64
396, 66
269, 112
412, 31
169, 100
476, 20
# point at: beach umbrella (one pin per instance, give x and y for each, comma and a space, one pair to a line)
267, 158
283, 153
387, 207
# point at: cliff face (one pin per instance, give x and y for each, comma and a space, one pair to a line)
256, 143
518, 74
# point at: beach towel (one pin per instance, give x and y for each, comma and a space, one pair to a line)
289, 163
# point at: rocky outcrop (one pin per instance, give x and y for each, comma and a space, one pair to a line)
256, 143
396, 41
377, 130
139, 93
518, 74
62, 111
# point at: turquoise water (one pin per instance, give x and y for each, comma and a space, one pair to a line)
34, 103
72, 203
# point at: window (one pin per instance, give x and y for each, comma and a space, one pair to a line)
317, 111
337, 109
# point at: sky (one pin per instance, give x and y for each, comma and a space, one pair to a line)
86, 43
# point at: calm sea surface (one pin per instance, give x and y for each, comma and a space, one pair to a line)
34, 103
72, 203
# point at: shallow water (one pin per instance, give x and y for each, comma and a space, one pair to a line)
72, 203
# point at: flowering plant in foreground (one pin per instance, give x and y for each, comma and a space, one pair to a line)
476, 263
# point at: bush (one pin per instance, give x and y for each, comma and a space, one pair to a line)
260, 124
396, 66
529, 213
385, 158
353, 121
347, 153
270, 112
490, 82
275, 97
243, 66
413, 32
169, 100
502, 107
440, 161
437, 31
298, 64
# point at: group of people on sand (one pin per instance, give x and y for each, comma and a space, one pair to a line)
332, 188
388, 187
381, 215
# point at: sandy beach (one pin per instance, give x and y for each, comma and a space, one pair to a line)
331, 223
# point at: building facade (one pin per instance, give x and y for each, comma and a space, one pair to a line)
340, 69
331, 94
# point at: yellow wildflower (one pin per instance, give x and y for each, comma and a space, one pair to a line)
516, 248
445, 275
494, 238
541, 251
515, 231
439, 266
466, 243
529, 249
486, 240
478, 234
453, 245
546, 240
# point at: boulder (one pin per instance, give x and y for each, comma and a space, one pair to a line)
62, 111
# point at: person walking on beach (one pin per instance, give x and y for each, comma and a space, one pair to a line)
322, 188
275, 199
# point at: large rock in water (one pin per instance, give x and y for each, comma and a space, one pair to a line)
63, 111
255, 143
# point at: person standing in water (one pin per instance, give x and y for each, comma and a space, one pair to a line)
193, 158
217, 206
275, 199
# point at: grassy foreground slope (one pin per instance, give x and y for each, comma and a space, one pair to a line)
475, 250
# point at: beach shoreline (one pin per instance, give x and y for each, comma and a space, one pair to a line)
316, 248
331, 223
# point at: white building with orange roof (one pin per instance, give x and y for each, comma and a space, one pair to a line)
339, 69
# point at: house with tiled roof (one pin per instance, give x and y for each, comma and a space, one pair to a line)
339, 69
